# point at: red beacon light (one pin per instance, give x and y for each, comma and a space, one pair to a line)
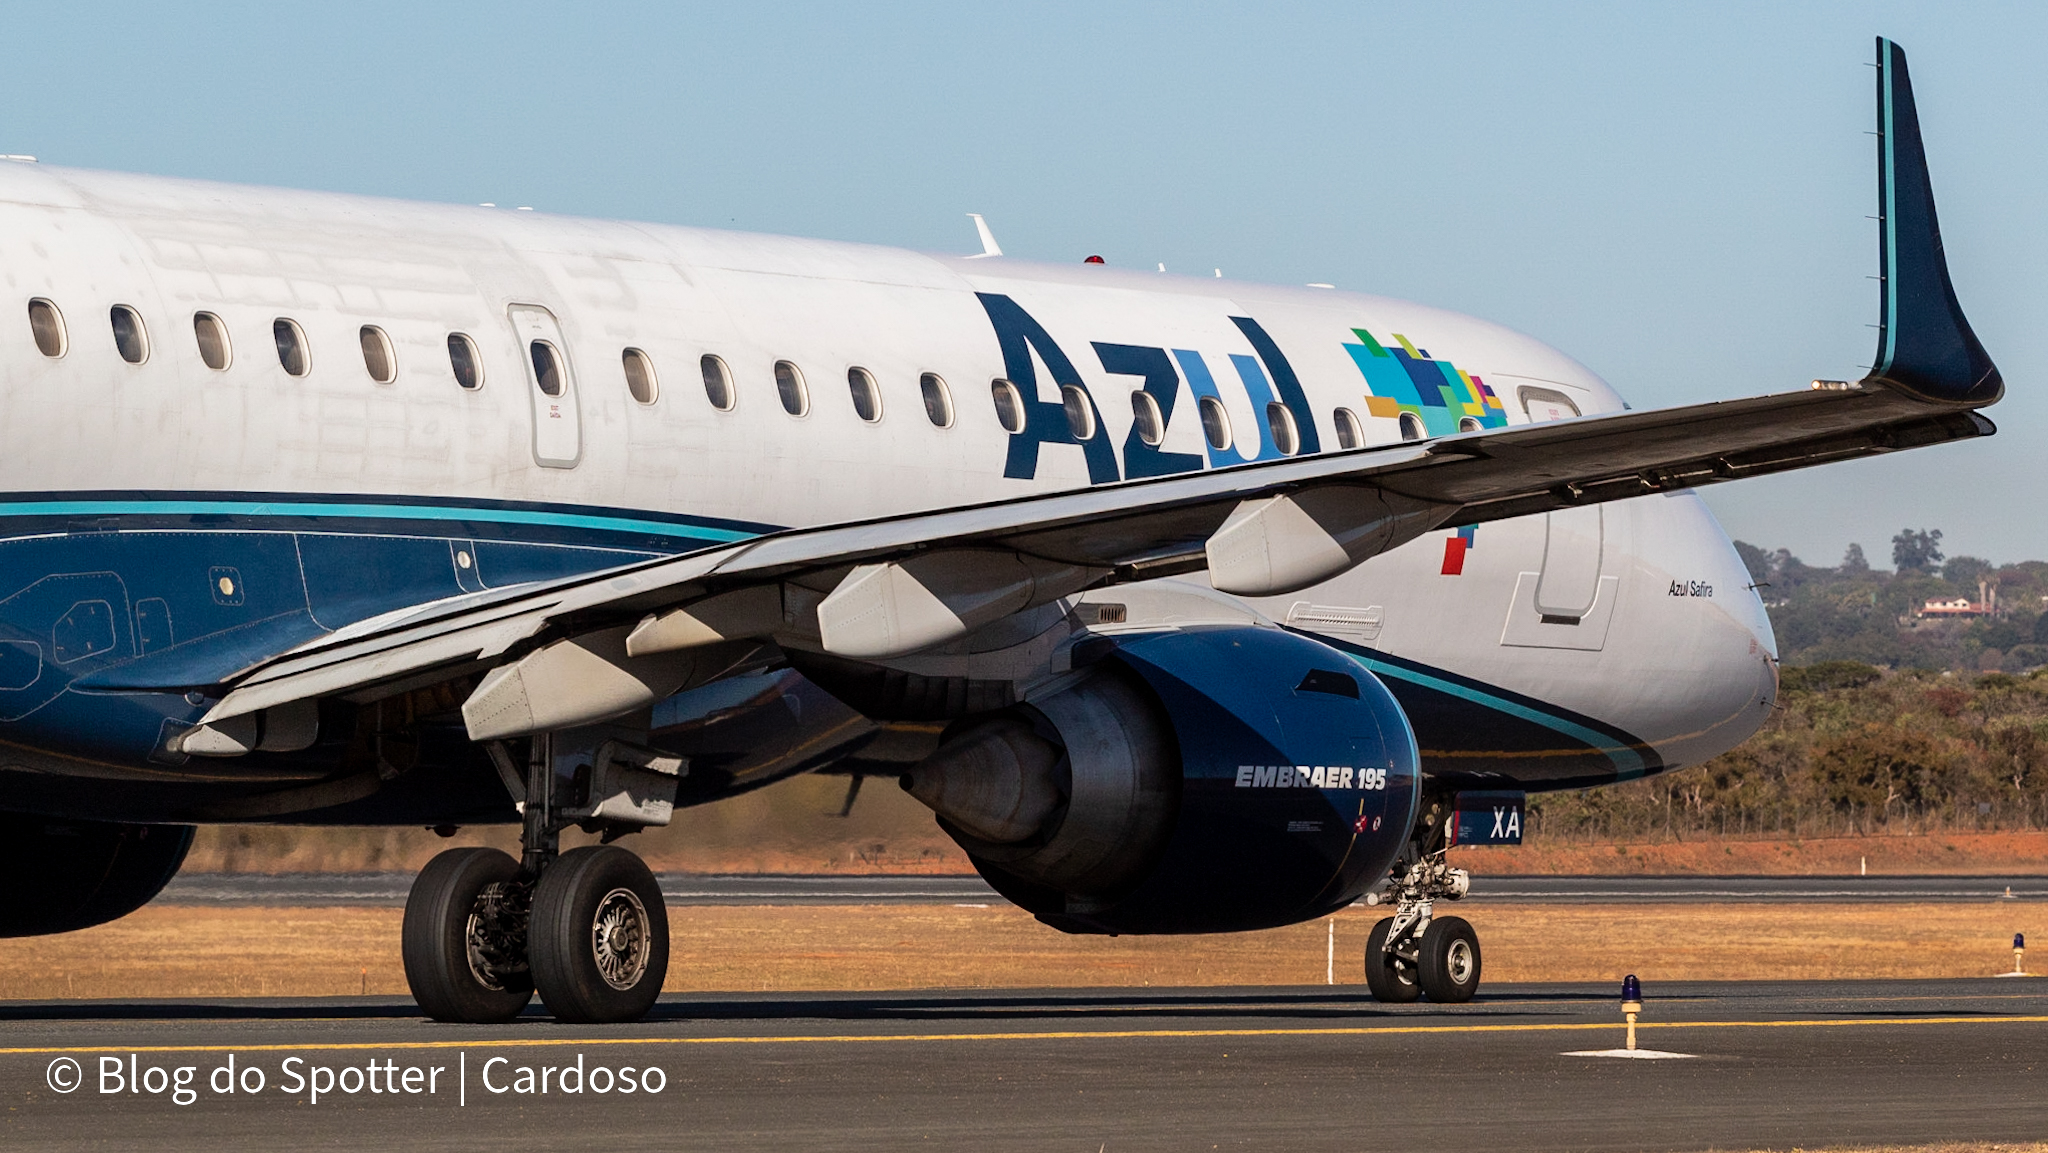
1093, 260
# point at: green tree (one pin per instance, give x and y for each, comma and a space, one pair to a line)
1963, 571
1916, 551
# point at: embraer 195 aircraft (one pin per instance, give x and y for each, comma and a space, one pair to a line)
1187, 605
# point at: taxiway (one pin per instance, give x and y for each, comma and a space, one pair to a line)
1777, 1065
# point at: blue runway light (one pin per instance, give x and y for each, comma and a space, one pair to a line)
1631, 989
2019, 940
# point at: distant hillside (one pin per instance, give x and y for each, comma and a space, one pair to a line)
1851, 750
1854, 612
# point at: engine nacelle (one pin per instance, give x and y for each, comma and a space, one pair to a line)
64, 875
1195, 781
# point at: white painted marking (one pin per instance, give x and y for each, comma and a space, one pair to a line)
1638, 1054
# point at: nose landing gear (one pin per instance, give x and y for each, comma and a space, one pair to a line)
1414, 953
587, 929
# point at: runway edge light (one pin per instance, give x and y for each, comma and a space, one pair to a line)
2019, 957
1631, 1004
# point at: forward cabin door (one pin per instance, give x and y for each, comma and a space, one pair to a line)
1571, 563
1572, 539
550, 386
1567, 603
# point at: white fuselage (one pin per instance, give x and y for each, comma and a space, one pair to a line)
1670, 644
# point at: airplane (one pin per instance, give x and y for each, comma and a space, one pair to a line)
1186, 605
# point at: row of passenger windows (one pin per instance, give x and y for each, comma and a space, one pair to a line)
131, 340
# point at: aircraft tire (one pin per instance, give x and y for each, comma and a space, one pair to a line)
1390, 978
1450, 961
599, 936
445, 949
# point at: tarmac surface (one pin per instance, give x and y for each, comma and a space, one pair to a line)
389, 889
1811, 1064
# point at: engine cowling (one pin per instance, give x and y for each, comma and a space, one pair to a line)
64, 875
1195, 781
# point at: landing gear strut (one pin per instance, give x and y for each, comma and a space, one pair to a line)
587, 928
1415, 953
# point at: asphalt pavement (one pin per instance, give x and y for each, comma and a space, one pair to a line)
1753, 1065
389, 889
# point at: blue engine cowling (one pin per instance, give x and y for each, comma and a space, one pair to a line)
1281, 779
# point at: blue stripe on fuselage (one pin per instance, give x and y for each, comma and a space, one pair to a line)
268, 507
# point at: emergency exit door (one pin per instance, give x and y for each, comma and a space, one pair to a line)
550, 386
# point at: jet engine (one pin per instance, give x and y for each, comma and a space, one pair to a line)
1196, 781
65, 874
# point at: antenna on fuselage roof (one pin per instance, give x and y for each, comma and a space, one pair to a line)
989, 247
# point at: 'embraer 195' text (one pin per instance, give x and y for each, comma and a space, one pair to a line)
1309, 777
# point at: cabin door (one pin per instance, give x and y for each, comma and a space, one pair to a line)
550, 386
1571, 563
1567, 604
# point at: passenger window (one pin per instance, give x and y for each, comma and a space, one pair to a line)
1411, 427
1009, 405
462, 357
938, 400
377, 358
1468, 424
1145, 415
867, 396
1350, 433
547, 368
1280, 422
129, 337
291, 346
48, 326
213, 339
717, 383
1215, 423
789, 385
640, 376
1080, 413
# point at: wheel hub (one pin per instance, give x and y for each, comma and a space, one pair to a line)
1460, 962
619, 933
495, 934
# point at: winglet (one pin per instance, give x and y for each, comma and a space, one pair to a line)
988, 238
1924, 347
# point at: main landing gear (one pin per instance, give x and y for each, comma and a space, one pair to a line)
1415, 953
587, 929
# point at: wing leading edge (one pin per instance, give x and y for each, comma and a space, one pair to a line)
579, 650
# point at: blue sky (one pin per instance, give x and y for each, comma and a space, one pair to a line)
1674, 194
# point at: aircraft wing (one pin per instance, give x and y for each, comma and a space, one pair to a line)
578, 650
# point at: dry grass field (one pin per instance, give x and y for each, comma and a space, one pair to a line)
793, 827
170, 951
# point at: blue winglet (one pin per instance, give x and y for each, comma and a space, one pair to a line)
1924, 347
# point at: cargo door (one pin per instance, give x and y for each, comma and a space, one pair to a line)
550, 385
